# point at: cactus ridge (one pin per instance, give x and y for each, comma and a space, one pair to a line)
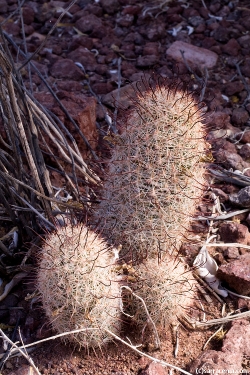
77, 285
154, 175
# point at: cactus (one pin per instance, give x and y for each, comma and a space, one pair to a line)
167, 289
154, 176
77, 285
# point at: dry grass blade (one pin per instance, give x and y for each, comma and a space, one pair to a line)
20, 350
24, 176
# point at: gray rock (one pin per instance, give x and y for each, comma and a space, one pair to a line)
242, 198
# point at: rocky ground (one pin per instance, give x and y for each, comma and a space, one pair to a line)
88, 60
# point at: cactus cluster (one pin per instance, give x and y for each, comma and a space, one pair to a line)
154, 176
78, 286
152, 182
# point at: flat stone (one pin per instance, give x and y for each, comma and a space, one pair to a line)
237, 274
198, 56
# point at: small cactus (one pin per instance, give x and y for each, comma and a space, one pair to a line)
154, 176
167, 289
77, 285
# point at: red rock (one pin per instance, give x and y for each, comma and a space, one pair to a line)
195, 21
126, 93
65, 85
11, 28
154, 369
110, 6
232, 88
194, 55
245, 152
204, 12
66, 69
145, 61
81, 40
245, 22
82, 109
231, 253
28, 29
245, 68
217, 120
3, 6
125, 20
220, 144
102, 87
230, 160
132, 9
232, 47
28, 15
151, 49
24, 370
236, 344
200, 29
154, 31
87, 24
237, 274
93, 9
234, 232
83, 56
244, 41
240, 116
221, 34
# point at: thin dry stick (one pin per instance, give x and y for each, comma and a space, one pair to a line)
211, 337
157, 340
19, 349
34, 210
228, 244
222, 217
208, 287
226, 319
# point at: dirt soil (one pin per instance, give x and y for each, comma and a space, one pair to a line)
116, 41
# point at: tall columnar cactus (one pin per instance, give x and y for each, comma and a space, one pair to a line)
77, 285
154, 176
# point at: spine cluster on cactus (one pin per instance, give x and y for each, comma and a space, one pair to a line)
78, 286
167, 289
154, 175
